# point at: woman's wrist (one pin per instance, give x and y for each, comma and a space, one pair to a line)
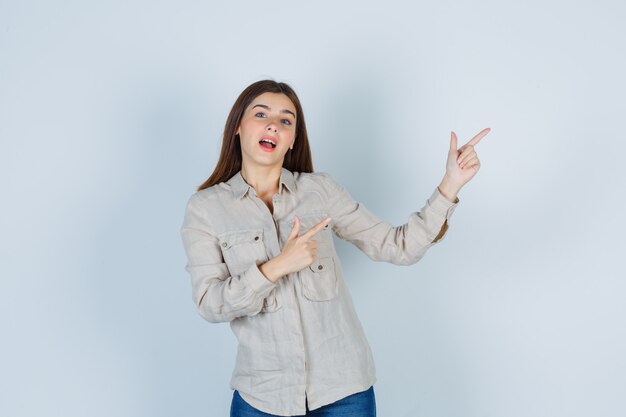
272, 269
449, 190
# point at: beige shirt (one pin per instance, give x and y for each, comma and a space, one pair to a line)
299, 337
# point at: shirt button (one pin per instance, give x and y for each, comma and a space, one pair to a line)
224, 244
320, 267
256, 238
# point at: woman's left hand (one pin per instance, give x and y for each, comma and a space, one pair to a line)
463, 163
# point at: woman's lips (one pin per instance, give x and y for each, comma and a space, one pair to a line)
266, 149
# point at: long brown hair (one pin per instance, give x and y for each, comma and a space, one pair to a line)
297, 159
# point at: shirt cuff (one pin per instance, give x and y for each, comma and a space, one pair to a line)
441, 205
259, 282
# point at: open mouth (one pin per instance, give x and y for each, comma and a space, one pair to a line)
267, 144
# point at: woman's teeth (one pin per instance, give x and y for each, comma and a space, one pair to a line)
268, 142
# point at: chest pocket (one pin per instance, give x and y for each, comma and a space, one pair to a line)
242, 248
319, 280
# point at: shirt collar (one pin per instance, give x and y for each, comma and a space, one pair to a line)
239, 186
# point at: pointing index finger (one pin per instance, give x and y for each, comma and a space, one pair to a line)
313, 230
479, 136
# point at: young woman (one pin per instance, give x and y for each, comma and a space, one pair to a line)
258, 238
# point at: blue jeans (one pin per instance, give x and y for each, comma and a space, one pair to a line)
361, 404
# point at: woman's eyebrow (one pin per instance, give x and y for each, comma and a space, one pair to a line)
268, 107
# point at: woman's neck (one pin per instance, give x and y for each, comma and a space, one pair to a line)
264, 180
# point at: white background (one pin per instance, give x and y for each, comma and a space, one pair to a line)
111, 113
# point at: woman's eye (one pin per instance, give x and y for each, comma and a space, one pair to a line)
285, 121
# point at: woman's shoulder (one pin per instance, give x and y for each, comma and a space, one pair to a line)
212, 193
321, 182
319, 177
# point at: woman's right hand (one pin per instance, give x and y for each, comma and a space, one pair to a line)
298, 252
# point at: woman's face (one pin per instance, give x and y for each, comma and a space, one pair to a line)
271, 116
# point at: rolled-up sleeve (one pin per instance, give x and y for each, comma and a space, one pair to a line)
380, 241
218, 295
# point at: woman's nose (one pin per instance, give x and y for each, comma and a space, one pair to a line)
272, 127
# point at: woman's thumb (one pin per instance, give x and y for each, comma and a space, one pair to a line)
453, 142
295, 229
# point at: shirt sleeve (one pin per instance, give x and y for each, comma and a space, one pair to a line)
380, 241
218, 295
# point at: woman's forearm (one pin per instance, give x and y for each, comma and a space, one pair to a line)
272, 269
